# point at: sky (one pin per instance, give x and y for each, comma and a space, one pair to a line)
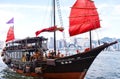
32, 15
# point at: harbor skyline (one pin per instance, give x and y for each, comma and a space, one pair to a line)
78, 43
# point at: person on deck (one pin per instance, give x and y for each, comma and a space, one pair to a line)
58, 54
78, 51
23, 58
51, 54
36, 55
87, 49
28, 57
62, 55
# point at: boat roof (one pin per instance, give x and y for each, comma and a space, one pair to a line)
29, 40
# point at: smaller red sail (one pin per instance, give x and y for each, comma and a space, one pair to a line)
50, 29
10, 34
83, 17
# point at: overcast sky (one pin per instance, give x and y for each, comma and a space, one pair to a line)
32, 15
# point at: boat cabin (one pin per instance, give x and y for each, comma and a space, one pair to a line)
17, 48
18, 54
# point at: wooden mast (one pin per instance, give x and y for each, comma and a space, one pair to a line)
90, 36
54, 24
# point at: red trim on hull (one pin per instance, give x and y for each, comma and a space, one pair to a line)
69, 75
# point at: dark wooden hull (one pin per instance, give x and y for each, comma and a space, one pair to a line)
67, 75
70, 67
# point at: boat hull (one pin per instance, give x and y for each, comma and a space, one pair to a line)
70, 67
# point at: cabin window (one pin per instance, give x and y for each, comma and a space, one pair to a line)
20, 54
44, 45
12, 54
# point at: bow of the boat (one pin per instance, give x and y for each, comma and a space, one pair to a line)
105, 45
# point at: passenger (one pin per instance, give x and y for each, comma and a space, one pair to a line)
58, 54
87, 49
36, 55
28, 57
62, 55
78, 51
45, 56
53, 53
23, 58
49, 54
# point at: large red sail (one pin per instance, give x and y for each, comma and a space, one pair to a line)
10, 34
83, 17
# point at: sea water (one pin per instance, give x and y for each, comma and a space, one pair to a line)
105, 66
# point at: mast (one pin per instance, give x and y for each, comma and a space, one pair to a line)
90, 40
54, 23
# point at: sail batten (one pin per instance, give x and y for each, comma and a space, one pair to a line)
84, 8
83, 17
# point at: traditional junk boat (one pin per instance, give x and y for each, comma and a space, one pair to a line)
83, 18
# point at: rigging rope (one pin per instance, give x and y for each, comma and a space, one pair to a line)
61, 20
59, 12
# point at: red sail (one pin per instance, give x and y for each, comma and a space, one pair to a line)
83, 17
50, 29
10, 34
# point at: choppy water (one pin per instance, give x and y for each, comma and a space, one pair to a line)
105, 66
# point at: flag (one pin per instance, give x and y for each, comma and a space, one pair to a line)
10, 34
50, 29
11, 21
